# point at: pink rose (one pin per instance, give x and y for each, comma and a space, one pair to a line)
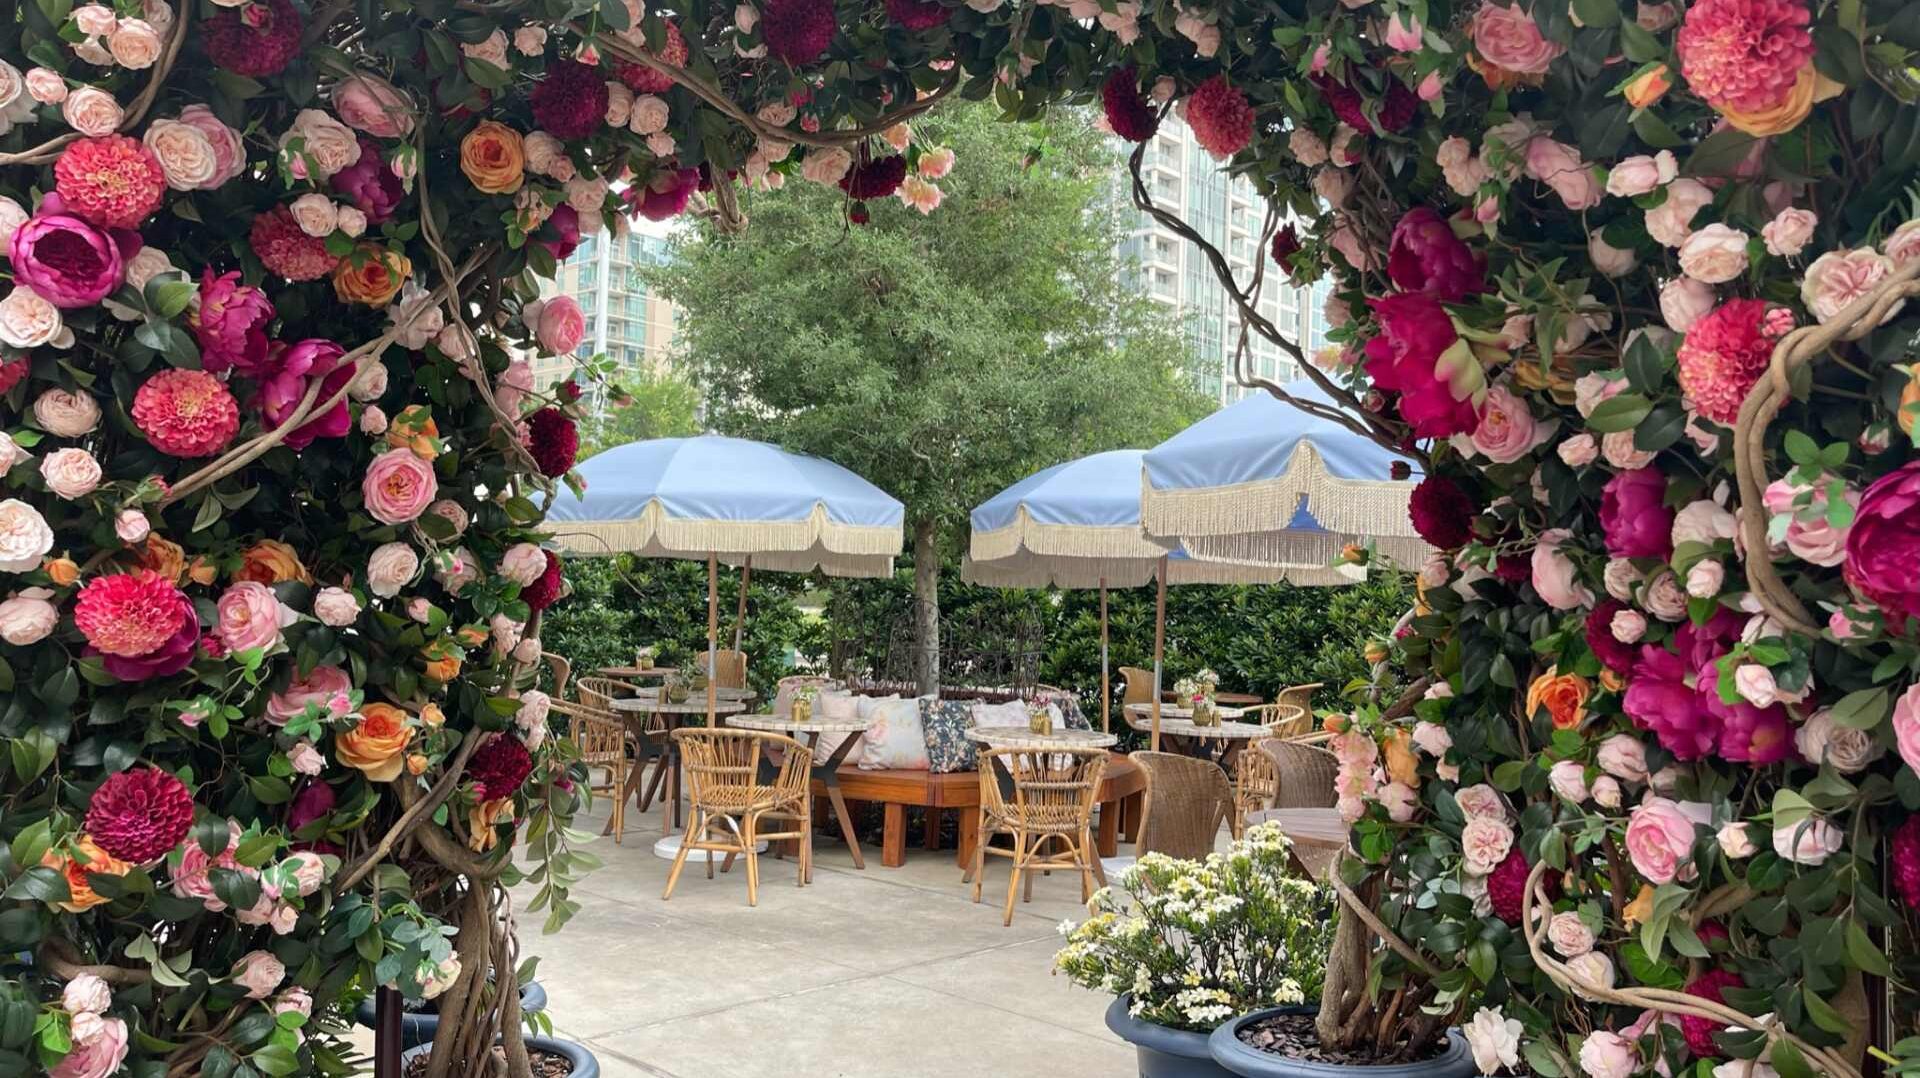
1671, 222
28, 618
307, 869
1432, 738
259, 972
1509, 38
1507, 430
1809, 842
70, 473
398, 486
1903, 246
562, 325
1822, 740
1660, 841
305, 759
1809, 533
1735, 841
1485, 842
373, 105
1906, 726
1837, 279
229, 155
316, 214
1611, 261
1559, 166
1569, 780
96, 1055
1608, 1055
1705, 578
373, 421
1569, 934
1617, 446
294, 1000
336, 607
1555, 576
1578, 451
1591, 389
132, 526
86, 994
1684, 301
27, 320
1400, 801
1481, 800
327, 686
523, 563
1639, 175
92, 112
1606, 792
326, 144
1715, 254
190, 879
530, 40
250, 617
1787, 234
1624, 757
391, 567
185, 154
135, 44
1627, 626
46, 86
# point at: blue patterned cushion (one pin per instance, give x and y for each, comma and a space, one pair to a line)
946, 723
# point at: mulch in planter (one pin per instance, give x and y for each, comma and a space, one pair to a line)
545, 1064
1293, 1036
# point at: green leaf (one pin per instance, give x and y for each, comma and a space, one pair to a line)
143, 947
1639, 44
1623, 412
1862, 710
1788, 1061
1864, 953
1483, 960
1790, 809
38, 884
1800, 448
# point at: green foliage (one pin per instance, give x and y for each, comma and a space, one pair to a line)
658, 404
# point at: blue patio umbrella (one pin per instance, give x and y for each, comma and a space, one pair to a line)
1244, 483
1077, 525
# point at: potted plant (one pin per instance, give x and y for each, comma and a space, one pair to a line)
421, 1018
540, 1051
1185, 945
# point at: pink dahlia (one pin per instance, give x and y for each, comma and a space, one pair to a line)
553, 441
644, 80
1744, 55
1883, 546
917, 14
875, 178
1601, 641
571, 102
286, 250
67, 261
499, 767
369, 183
138, 816
1507, 887
546, 588
1425, 256
1221, 119
1396, 111
1634, 514
1129, 114
797, 31
1723, 355
1712, 985
1442, 513
113, 181
186, 413
1905, 842
1410, 357
284, 378
257, 40
1661, 699
139, 623
231, 323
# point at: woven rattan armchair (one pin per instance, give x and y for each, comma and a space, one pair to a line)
1187, 799
1300, 696
1303, 774
600, 739
729, 668
1048, 803
735, 788
1253, 786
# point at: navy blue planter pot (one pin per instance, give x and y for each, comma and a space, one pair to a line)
417, 1027
584, 1063
1227, 1050
1163, 1052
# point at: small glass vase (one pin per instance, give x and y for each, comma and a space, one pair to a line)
1040, 721
802, 710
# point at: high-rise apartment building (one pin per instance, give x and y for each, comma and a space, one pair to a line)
626, 320
1184, 178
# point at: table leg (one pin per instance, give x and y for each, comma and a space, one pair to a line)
1110, 828
930, 829
1132, 808
829, 776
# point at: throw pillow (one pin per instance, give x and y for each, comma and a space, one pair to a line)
945, 723
833, 707
1011, 713
896, 740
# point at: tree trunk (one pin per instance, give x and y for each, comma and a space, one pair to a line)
926, 606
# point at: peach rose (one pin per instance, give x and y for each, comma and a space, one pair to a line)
1562, 696
271, 561
530, 40
352, 221
371, 275
94, 20
1559, 166
391, 567
46, 86
373, 105
86, 859
28, 321
493, 156
27, 618
64, 572
825, 167
378, 744
229, 153
1715, 254
1671, 222
1508, 38
1787, 234
1647, 87
1838, 278
135, 44
186, 155
543, 152
586, 196
68, 415
316, 214
164, 557
326, 144
1635, 176
70, 473
92, 112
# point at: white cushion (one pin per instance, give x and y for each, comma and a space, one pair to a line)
896, 740
867, 705
1011, 713
834, 706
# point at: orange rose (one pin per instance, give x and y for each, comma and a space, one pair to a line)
494, 158
377, 745
415, 429
1611, 680
1564, 696
483, 818
271, 561
416, 764
1641, 908
1809, 88
473, 635
202, 571
1499, 78
92, 861
163, 556
433, 717
1402, 765
1647, 87
63, 571
443, 669
371, 275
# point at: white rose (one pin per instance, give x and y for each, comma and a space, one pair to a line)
10, 453
1809, 842
1569, 780
144, 266
1495, 1040
390, 567
70, 473
329, 144
1821, 740
132, 526
86, 994
530, 40
1703, 521
1606, 792
94, 20
92, 112
1594, 967
135, 44
1621, 578
1569, 934
92, 52
1617, 446
1715, 254
28, 617
1838, 278
68, 415
371, 384
159, 13
24, 537
336, 607
1735, 842
27, 320
316, 214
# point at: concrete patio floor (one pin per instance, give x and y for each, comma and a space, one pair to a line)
875, 973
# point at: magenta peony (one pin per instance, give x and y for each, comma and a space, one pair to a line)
665, 195
1634, 515
553, 441
562, 232
113, 181
1883, 548
1425, 256
1221, 118
257, 40
186, 413
1415, 355
571, 102
1129, 115
139, 622
797, 31
1748, 734
1723, 355
231, 324
1661, 699
1616, 655
139, 815
65, 260
1744, 55
1442, 513
284, 379
370, 185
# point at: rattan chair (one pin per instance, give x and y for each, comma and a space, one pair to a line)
1187, 800
1253, 786
562, 669
1136, 687
648, 741
1303, 774
600, 739
729, 668
1048, 803
1300, 696
735, 786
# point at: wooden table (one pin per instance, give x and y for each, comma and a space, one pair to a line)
1318, 834
826, 774
635, 711
635, 673
1015, 737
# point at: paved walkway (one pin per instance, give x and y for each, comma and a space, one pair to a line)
881, 973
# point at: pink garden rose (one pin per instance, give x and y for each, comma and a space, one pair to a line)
1809, 842
1635, 176
1555, 576
250, 617
374, 106
1481, 800
1569, 780
1810, 536
1623, 757
1507, 430
327, 686
398, 486
1787, 234
68, 414
1608, 1055
1883, 547
1635, 517
1560, 167
336, 607
229, 154
1715, 254
1906, 726
259, 972
1660, 840
1684, 301
70, 473
561, 325
1485, 842
1838, 278
100, 1046
391, 567
523, 563
1509, 38
1671, 222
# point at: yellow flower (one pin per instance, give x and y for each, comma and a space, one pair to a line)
1810, 87
494, 157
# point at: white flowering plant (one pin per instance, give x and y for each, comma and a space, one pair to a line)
1194, 943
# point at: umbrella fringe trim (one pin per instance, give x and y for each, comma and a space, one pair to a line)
1367, 507
1029, 536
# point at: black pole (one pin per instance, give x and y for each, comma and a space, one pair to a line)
386, 1032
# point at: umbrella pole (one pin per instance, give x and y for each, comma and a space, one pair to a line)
1106, 679
1159, 644
740, 614
713, 634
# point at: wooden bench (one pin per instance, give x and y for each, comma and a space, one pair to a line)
1122, 793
